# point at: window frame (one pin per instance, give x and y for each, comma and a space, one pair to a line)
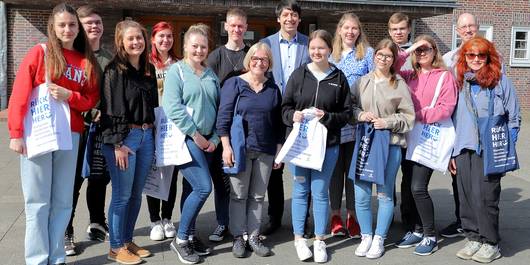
488, 34
516, 62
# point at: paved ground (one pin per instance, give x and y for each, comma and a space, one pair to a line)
514, 223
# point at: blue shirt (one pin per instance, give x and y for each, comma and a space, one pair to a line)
352, 68
261, 113
287, 57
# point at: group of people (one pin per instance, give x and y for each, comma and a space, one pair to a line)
273, 85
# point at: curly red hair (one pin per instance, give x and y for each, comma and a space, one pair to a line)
154, 56
489, 75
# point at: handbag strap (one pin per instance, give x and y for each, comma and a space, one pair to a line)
237, 100
438, 89
46, 77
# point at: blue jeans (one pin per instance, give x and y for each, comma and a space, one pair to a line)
128, 184
48, 184
317, 182
198, 176
385, 196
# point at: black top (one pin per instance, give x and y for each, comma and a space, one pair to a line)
227, 63
333, 98
261, 113
126, 98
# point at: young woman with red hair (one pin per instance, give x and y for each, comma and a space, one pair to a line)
481, 80
162, 56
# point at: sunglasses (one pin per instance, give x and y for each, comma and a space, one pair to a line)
423, 50
480, 56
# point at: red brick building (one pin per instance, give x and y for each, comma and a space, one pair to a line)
507, 23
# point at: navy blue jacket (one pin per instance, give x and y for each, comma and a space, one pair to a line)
261, 114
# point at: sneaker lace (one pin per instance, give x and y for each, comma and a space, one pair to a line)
219, 230
408, 235
425, 241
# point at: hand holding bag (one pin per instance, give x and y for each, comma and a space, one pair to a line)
370, 154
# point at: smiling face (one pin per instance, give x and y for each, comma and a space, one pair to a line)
384, 60
475, 59
259, 62
289, 21
349, 32
318, 50
66, 28
236, 27
196, 48
399, 32
424, 55
133, 42
467, 27
163, 40
93, 26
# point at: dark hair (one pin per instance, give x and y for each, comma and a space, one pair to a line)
388, 43
489, 75
154, 56
323, 35
121, 57
290, 5
87, 10
55, 61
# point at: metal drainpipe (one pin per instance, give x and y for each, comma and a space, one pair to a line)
3, 56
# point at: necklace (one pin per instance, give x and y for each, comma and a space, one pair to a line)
234, 66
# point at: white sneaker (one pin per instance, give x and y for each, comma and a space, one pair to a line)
321, 255
366, 243
169, 228
302, 249
157, 231
377, 249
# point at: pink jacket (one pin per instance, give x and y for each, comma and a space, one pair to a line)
422, 91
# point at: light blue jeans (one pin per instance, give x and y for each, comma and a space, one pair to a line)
128, 184
198, 176
385, 196
317, 182
48, 184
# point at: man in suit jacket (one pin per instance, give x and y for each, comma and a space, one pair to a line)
289, 51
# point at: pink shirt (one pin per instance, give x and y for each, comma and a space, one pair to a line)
422, 88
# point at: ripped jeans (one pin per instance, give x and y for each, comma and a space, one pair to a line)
385, 197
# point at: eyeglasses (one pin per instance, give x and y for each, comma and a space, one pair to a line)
384, 57
480, 56
263, 60
468, 27
423, 50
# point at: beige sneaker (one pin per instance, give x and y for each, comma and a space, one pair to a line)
469, 250
124, 256
138, 251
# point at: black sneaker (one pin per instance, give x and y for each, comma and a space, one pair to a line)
97, 232
185, 252
239, 247
219, 233
452, 230
69, 245
200, 248
257, 246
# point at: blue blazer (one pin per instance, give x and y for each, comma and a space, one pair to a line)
302, 55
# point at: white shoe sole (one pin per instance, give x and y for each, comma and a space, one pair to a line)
170, 234
374, 256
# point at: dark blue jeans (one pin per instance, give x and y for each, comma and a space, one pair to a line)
128, 184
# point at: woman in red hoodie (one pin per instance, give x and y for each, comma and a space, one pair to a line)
48, 180
422, 80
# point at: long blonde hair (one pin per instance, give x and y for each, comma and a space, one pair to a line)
361, 44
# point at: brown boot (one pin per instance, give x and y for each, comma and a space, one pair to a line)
124, 256
138, 251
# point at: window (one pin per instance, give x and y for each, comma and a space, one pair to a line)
484, 31
520, 47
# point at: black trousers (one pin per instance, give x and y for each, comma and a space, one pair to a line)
276, 196
153, 204
421, 176
456, 199
409, 213
479, 198
221, 185
95, 193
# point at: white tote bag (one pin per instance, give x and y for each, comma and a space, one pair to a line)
158, 181
170, 142
431, 144
306, 144
47, 122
